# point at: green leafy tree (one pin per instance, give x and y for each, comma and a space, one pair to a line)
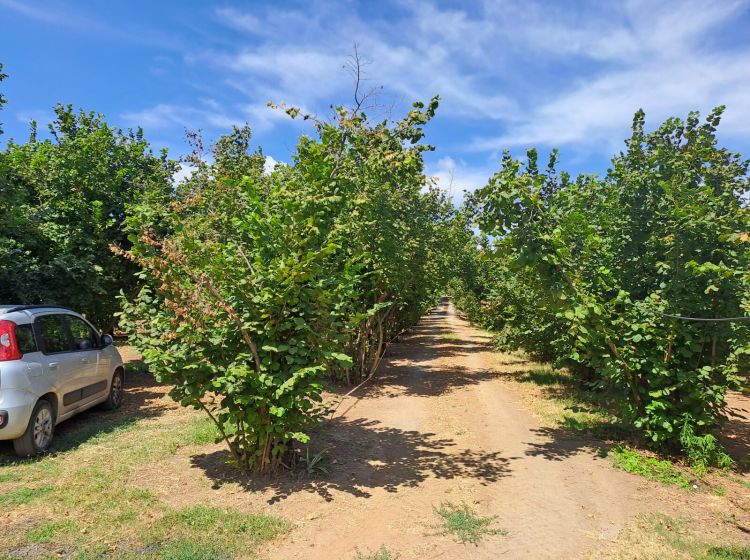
258, 286
65, 201
604, 260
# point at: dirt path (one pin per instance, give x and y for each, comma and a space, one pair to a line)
440, 427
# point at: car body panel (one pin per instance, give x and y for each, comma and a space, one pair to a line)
83, 375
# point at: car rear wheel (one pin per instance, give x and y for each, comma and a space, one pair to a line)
38, 435
116, 391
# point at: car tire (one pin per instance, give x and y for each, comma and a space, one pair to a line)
38, 435
116, 391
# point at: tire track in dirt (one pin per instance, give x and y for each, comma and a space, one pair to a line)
439, 426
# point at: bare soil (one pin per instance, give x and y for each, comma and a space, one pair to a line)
440, 424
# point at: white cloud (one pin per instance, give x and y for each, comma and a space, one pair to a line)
455, 178
185, 171
269, 165
538, 73
661, 64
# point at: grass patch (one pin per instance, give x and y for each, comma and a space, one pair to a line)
727, 553
382, 553
649, 467
86, 484
561, 402
547, 375
464, 524
221, 531
50, 531
667, 537
201, 431
451, 337
23, 495
191, 550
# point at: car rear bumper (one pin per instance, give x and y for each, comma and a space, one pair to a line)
15, 407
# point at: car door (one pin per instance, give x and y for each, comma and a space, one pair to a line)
85, 341
61, 365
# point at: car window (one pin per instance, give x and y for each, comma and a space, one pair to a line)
53, 334
84, 337
25, 339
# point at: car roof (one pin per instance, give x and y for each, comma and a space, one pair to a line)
8, 308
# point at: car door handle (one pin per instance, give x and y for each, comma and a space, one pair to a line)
53, 365
85, 360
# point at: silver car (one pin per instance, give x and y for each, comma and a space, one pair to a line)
53, 365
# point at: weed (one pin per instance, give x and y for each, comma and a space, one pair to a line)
648, 467
465, 524
314, 465
450, 337
719, 490
87, 483
703, 451
382, 553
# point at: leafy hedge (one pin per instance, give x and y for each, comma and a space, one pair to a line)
258, 286
584, 271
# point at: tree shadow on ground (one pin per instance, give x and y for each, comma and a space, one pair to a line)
402, 380
560, 444
735, 430
362, 455
144, 398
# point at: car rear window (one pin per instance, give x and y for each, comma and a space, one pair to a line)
25, 339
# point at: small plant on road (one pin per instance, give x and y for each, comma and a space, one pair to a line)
648, 467
463, 523
383, 553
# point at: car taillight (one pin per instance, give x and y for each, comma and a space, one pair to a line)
8, 344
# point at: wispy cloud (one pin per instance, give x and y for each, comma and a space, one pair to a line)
665, 62
511, 74
544, 73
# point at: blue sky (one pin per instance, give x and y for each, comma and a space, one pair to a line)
512, 74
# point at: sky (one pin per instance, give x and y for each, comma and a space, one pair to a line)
511, 74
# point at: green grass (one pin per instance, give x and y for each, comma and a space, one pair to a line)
207, 524
23, 495
727, 553
464, 524
451, 337
684, 540
565, 404
86, 486
649, 467
547, 375
50, 531
382, 553
191, 550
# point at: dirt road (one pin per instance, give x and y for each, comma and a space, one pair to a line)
444, 423
438, 426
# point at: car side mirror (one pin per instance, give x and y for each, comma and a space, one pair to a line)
107, 340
